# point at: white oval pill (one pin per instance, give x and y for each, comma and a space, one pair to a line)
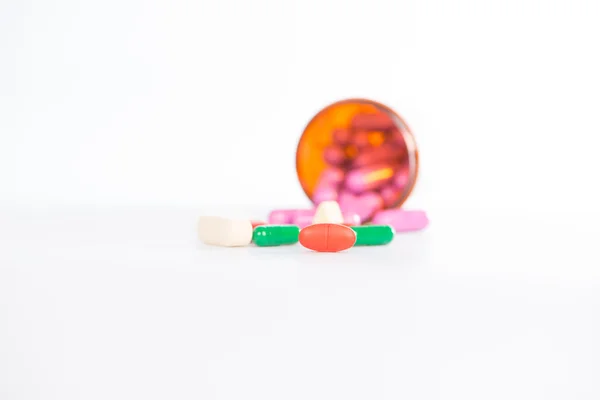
328, 212
218, 231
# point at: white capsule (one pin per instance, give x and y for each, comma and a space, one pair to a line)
328, 212
218, 231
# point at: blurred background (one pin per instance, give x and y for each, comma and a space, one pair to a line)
123, 121
183, 103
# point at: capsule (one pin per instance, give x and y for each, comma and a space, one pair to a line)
374, 122
329, 238
401, 177
373, 235
385, 153
402, 220
390, 195
275, 235
286, 217
334, 155
341, 135
369, 178
365, 205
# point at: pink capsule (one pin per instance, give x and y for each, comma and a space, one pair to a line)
402, 220
333, 175
325, 191
334, 155
369, 178
365, 205
361, 139
350, 219
385, 153
390, 195
341, 135
373, 122
285, 217
401, 177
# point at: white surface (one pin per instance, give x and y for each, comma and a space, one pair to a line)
127, 304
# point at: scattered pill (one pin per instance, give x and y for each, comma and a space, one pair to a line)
220, 231
373, 235
327, 237
286, 217
328, 212
402, 220
275, 235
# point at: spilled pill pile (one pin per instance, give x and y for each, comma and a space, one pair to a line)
327, 232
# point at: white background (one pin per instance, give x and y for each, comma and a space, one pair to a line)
122, 121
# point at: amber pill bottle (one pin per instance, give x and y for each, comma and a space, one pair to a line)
365, 146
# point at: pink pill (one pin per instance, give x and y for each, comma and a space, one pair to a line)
401, 177
361, 139
285, 217
374, 122
383, 154
325, 191
333, 175
365, 205
390, 195
369, 178
402, 220
334, 155
341, 135
350, 219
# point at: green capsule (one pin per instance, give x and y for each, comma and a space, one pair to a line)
275, 235
373, 235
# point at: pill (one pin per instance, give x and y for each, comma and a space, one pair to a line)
327, 237
402, 220
328, 212
401, 176
385, 153
341, 135
334, 155
275, 235
377, 122
367, 178
390, 195
286, 217
257, 223
278, 217
360, 139
373, 235
220, 231
364, 205
331, 174
325, 191
350, 219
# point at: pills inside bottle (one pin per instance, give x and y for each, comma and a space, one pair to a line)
359, 153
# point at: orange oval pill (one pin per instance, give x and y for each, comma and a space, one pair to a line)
257, 223
329, 238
